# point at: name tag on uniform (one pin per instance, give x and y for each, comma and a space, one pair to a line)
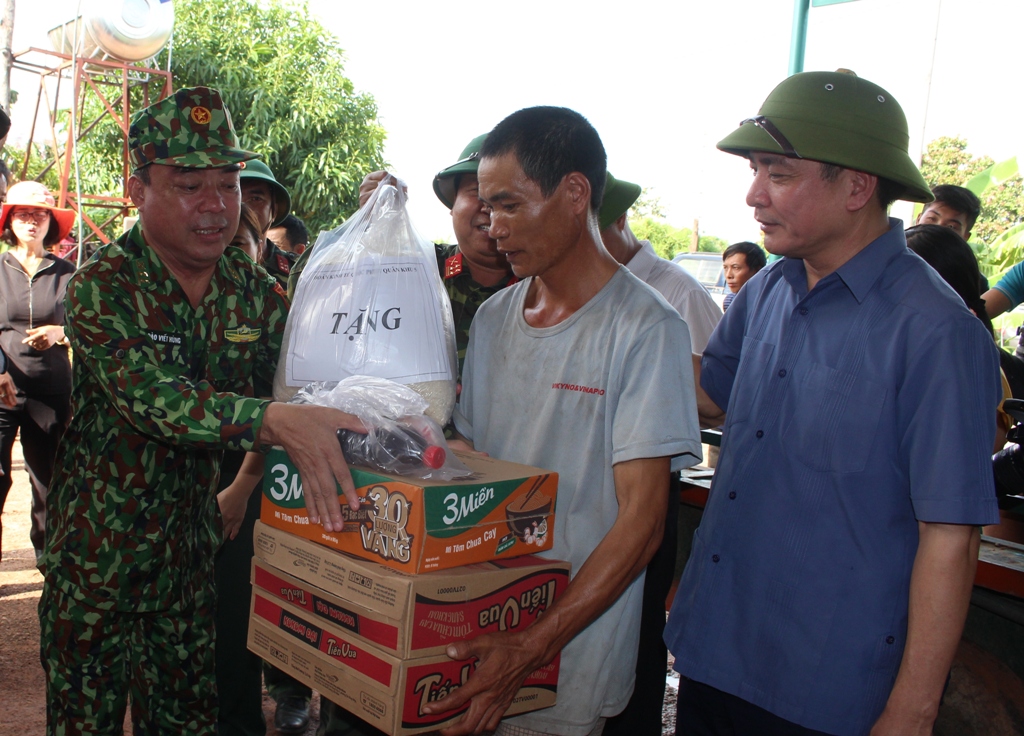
165, 338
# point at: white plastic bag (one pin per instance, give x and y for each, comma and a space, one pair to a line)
400, 438
371, 303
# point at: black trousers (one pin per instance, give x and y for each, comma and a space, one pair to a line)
42, 419
705, 711
642, 716
239, 671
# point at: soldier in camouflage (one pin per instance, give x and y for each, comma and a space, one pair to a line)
473, 270
241, 691
169, 330
271, 203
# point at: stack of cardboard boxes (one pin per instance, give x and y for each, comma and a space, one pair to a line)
364, 615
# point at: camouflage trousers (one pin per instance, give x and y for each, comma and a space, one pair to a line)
94, 659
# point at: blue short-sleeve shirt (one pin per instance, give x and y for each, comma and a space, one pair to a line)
853, 412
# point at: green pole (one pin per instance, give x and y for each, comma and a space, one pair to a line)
798, 42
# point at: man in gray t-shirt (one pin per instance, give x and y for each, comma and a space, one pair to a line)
576, 370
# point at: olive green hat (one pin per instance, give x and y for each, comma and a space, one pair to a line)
191, 128
619, 196
282, 200
836, 118
468, 163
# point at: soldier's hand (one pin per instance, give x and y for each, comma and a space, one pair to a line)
309, 435
232, 510
373, 180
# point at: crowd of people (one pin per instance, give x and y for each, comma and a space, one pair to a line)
829, 578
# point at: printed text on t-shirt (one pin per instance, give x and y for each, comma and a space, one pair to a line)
576, 387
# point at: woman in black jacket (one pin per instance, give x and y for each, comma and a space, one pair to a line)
37, 385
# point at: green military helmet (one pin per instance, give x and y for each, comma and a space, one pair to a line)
282, 200
619, 196
468, 163
191, 128
836, 118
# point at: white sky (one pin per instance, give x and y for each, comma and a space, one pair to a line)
661, 81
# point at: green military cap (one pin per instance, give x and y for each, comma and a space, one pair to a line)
191, 128
468, 163
836, 118
619, 196
282, 200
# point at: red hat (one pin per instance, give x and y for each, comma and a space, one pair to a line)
35, 194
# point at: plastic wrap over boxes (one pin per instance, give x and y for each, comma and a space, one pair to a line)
372, 639
506, 510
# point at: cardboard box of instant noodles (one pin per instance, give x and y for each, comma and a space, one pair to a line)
322, 641
404, 614
505, 510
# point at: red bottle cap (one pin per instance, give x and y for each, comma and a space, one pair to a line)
433, 456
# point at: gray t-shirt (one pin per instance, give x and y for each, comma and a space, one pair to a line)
602, 387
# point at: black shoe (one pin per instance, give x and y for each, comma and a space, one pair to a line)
292, 715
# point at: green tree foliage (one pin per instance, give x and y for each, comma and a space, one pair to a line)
36, 171
948, 162
669, 241
282, 77
647, 205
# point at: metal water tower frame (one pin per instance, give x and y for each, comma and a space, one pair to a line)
118, 78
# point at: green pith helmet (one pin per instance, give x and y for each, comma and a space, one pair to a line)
282, 200
619, 196
468, 163
191, 128
836, 118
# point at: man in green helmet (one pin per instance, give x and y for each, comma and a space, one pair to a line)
472, 269
643, 713
239, 669
171, 330
271, 202
830, 577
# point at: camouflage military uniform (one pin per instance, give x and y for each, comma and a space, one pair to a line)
279, 263
157, 387
465, 294
160, 389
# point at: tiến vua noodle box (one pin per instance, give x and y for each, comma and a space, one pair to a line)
405, 615
384, 690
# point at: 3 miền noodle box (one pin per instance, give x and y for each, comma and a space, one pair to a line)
505, 510
382, 689
404, 614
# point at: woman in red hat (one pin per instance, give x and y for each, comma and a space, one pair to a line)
38, 377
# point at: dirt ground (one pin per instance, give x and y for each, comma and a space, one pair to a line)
21, 697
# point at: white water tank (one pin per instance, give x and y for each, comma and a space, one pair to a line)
128, 30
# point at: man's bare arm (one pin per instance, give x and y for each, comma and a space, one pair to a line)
940, 592
308, 435
641, 487
996, 302
708, 412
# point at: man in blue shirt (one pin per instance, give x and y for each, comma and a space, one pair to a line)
831, 574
